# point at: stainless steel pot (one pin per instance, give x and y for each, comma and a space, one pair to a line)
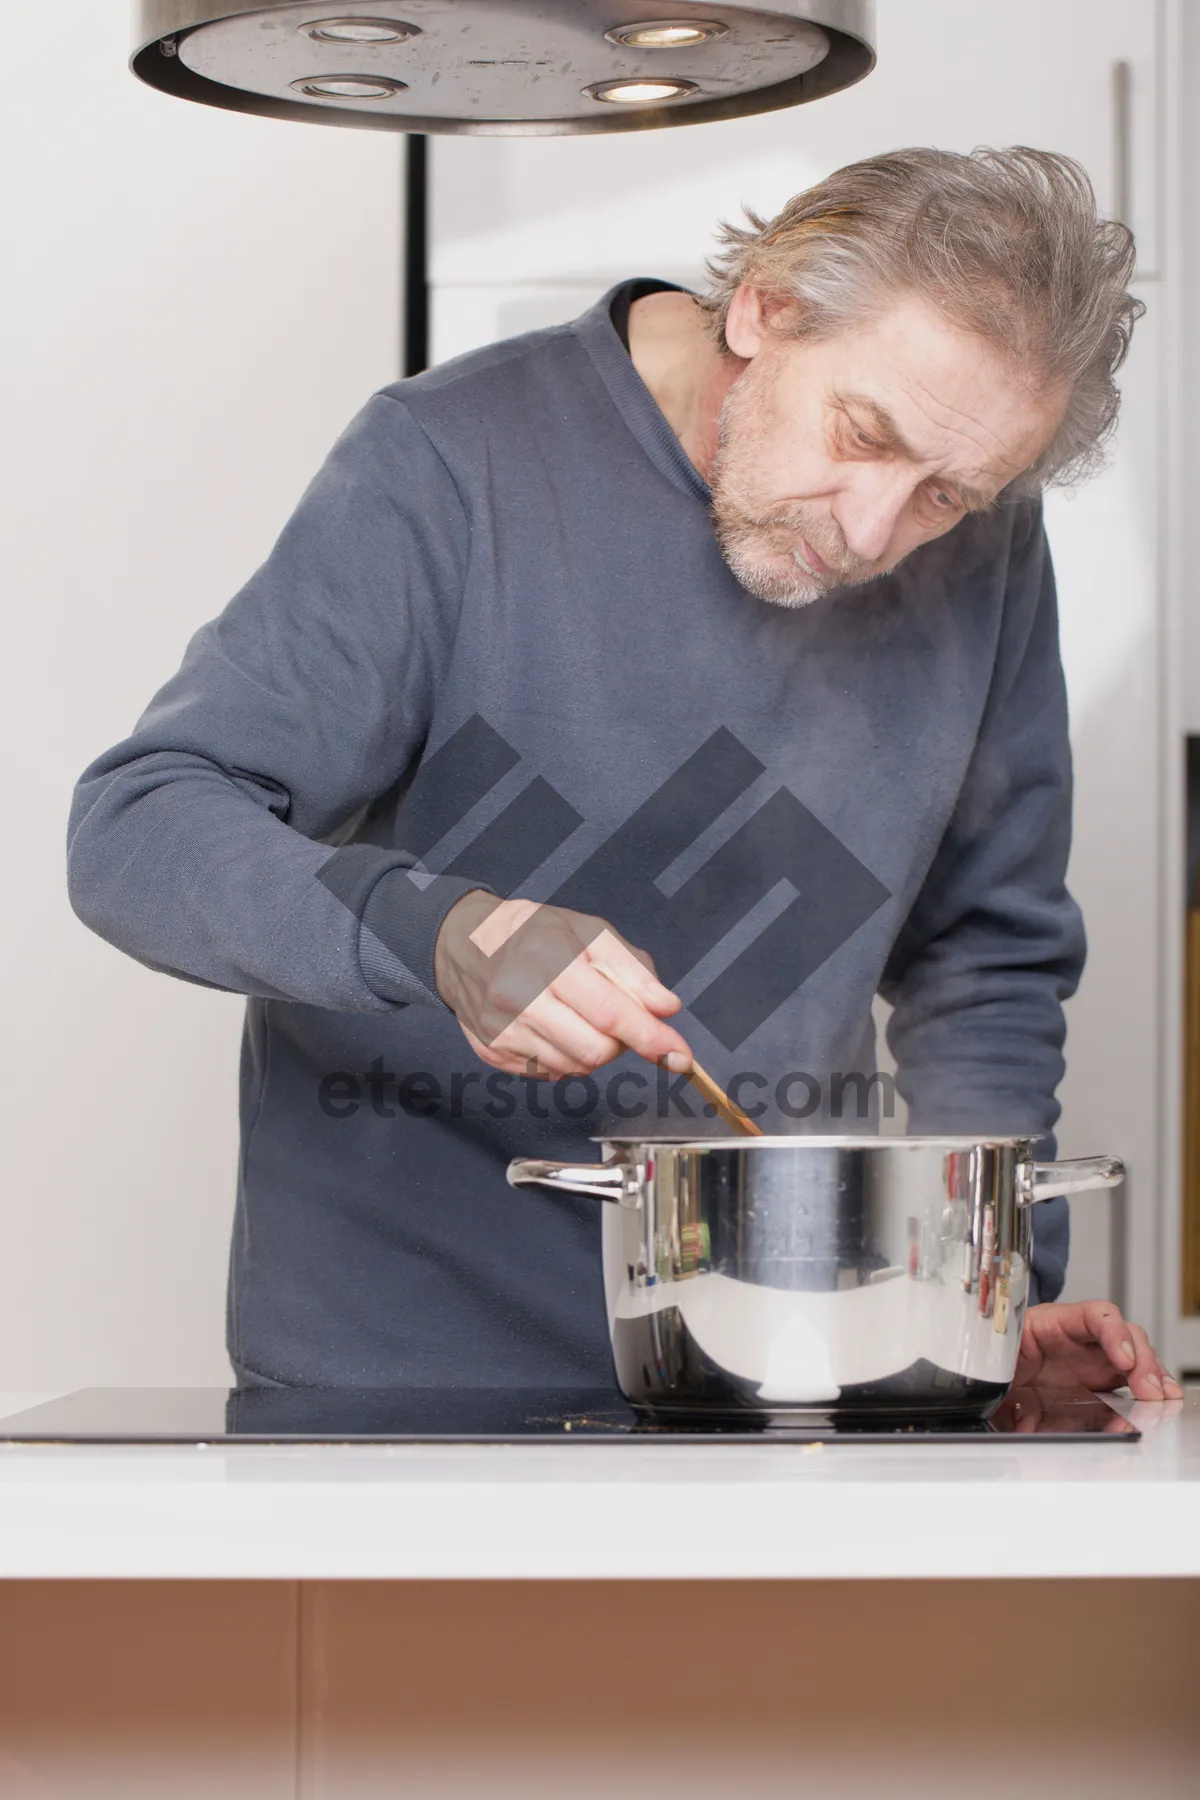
817, 1275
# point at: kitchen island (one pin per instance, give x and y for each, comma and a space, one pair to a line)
578, 1511
451, 1619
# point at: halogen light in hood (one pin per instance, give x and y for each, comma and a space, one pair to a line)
518, 67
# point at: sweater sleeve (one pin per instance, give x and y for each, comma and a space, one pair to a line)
994, 943
195, 844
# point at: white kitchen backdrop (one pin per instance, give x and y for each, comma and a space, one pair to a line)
196, 302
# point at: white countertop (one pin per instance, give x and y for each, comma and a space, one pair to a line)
1014, 1507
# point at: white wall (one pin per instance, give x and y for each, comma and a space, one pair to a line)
194, 304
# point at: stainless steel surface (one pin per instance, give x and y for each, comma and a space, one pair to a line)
1049, 1180
356, 28
635, 93
497, 67
666, 34
349, 87
817, 1275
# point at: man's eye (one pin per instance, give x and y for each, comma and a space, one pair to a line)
945, 502
862, 438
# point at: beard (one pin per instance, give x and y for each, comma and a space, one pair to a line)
762, 548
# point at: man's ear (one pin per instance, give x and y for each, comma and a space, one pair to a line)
751, 319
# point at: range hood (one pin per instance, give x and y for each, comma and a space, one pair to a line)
503, 67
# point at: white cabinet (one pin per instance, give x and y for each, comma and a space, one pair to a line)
528, 232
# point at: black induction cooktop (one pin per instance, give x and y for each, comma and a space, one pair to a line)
270, 1415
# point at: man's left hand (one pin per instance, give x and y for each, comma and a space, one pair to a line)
1087, 1343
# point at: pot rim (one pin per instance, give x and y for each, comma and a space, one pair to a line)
862, 1141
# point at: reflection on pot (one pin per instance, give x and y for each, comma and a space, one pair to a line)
799, 1275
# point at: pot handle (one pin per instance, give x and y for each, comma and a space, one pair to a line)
1072, 1177
601, 1181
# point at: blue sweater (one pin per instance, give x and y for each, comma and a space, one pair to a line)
496, 646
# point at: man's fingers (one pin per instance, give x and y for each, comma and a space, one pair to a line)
1127, 1348
617, 1015
629, 967
1031, 1357
1090, 1342
521, 1049
1143, 1379
582, 1040
513, 1058
1105, 1325
527, 987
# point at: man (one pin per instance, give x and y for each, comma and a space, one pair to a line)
593, 647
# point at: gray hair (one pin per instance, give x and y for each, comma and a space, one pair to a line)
1006, 243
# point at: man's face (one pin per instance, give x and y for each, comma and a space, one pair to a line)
837, 457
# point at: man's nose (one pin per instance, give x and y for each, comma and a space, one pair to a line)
869, 511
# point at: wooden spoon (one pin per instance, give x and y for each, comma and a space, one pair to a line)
699, 1077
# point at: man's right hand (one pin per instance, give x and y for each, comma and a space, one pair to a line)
521, 981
